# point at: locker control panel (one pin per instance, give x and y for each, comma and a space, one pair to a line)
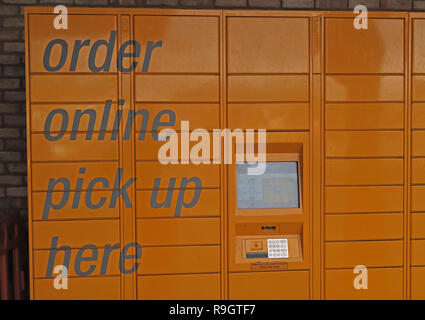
266, 248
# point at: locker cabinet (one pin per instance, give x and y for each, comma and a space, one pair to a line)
344, 115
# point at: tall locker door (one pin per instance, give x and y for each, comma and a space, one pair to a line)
65, 212
181, 244
364, 156
268, 87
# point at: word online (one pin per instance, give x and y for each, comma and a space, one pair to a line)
169, 152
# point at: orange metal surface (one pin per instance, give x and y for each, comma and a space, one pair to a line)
374, 199
69, 88
95, 288
68, 212
347, 105
175, 231
418, 281
363, 171
418, 225
208, 204
379, 49
384, 283
147, 172
186, 259
149, 148
42, 172
182, 286
194, 113
362, 116
364, 88
270, 88
75, 234
40, 26
364, 144
418, 251
192, 43
40, 112
271, 117
372, 253
176, 88
79, 149
41, 261
254, 46
349, 227
263, 285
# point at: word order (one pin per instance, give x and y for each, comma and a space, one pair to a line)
118, 191
106, 64
80, 258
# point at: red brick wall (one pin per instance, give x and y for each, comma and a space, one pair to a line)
13, 190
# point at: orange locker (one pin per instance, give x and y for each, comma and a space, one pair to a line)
343, 111
365, 152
